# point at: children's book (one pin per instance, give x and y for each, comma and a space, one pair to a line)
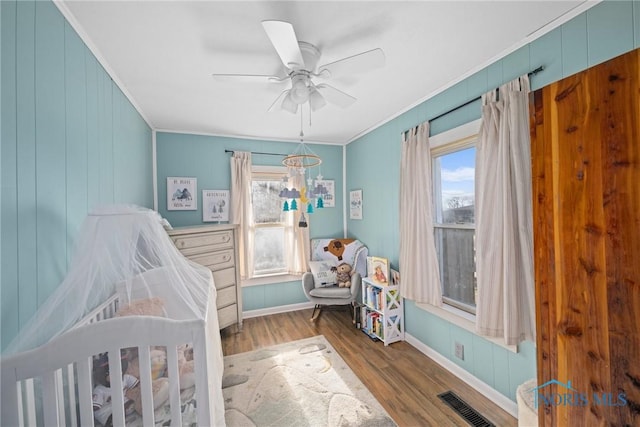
379, 272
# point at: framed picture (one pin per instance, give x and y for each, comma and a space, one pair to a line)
395, 277
328, 198
181, 194
215, 205
355, 204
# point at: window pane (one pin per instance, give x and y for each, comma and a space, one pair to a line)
457, 264
267, 204
454, 192
268, 250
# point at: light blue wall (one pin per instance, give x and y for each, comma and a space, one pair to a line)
204, 157
602, 32
70, 141
273, 295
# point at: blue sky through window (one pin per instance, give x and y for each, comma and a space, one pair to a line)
457, 176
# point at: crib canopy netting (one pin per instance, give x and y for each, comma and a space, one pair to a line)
124, 249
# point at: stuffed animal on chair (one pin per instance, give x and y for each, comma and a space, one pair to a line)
343, 276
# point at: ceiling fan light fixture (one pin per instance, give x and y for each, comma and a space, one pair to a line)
299, 89
289, 105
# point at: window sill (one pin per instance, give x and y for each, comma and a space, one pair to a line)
463, 320
267, 280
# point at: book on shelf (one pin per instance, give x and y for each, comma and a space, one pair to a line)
374, 297
378, 270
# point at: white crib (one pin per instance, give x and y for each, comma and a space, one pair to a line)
52, 384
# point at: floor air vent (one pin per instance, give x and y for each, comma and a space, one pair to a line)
472, 416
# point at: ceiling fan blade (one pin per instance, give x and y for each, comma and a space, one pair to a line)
316, 100
261, 78
335, 96
278, 100
284, 40
360, 62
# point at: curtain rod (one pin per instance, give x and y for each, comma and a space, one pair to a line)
534, 72
257, 152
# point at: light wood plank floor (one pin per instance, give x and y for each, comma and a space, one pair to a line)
405, 381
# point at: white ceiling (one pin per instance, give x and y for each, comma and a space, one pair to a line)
162, 54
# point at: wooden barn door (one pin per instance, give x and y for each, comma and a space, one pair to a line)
585, 143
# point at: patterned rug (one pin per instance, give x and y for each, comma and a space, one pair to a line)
301, 383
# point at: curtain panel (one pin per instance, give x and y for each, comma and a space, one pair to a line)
418, 259
241, 212
504, 223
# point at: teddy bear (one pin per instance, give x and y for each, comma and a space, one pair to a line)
159, 382
343, 276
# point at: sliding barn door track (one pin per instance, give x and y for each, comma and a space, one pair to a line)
463, 409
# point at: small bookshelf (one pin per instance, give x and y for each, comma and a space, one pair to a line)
381, 313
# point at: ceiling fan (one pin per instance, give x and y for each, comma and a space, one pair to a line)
301, 63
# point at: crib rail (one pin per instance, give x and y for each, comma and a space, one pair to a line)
104, 311
59, 373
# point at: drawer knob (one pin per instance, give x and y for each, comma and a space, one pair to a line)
226, 257
226, 239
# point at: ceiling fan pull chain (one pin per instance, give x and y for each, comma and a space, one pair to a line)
301, 133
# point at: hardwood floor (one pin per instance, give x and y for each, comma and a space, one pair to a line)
405, 381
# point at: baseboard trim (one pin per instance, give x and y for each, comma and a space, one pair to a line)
480, 386
275, 310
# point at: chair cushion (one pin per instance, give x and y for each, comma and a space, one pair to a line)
331, 292
322, 274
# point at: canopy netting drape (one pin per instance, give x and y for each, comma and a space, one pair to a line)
122, 249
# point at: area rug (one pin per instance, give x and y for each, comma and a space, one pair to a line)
301, 383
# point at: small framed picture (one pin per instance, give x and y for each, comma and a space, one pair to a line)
181, 194
215, 205
355, 204
329, 192
395, 277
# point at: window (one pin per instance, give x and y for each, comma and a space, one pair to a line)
269, 226
454, 222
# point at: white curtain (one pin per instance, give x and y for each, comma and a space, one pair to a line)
418, 259
296, 237
241, 212
504, 224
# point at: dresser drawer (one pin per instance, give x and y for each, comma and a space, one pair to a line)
198, 243
224, 278
226, 296
217, 260
228, 315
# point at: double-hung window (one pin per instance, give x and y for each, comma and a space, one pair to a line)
269, 226
454, 222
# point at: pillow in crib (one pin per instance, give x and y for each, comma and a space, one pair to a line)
144, 307
322, 273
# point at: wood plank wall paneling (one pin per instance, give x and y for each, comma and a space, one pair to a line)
586, 173
59, 119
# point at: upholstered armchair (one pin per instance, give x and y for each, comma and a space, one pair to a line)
334, 252
330, 295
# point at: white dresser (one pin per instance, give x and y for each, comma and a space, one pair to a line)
216, 247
